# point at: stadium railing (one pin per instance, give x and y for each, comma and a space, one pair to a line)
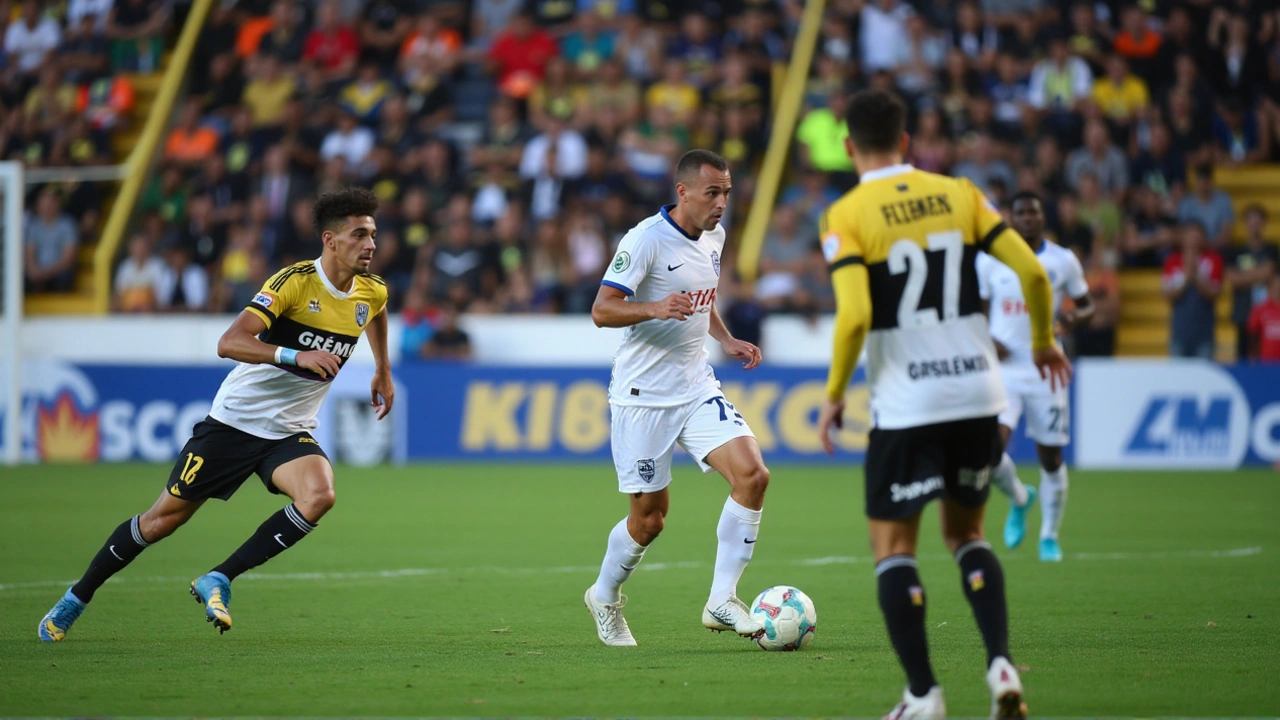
140, 160
784, 125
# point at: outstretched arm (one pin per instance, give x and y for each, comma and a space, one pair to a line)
612, 310
240, 342
733, 347
382, 390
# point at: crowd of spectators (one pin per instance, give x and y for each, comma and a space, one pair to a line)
64, 88
513, 142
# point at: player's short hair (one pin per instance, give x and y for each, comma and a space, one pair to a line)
333, 208
876, 121
1025, 195
691, 164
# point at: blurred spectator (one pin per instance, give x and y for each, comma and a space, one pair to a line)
448, 342
490, 17
613, 90
973, 37
51, 102
1160, 168
106, 102
279, 186
1250, 268
821, 135
520, 54
1236, 62
96, 11
697, 48
243, 271
138, 278
1097, 337
1009, 93
558, 98
383, 29
883, 29
458, 260
1192, 136
1087, 38
190, 143
1192, 282
1100, 213
184, 286
1120, 94
589, 46
1149, 231
1239, 136
783, 260
810, 197
1264, 326
84, 52
1101, 159
919, 58
267, 94
204, 238
570, 152
590, 256
285, 38
674, 93
135, 28
1137, 41
981, 165
365, 96
30, 40
639, 47
332, 48
51, 241
348, 141
1060, 83
1209, 207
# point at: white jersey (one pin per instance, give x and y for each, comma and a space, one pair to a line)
1000, 287
663, 363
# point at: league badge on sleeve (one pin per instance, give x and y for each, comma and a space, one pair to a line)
830, 246
622, 261
263, 299
362, 313
715, 262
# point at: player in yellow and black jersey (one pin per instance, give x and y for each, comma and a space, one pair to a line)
290, 343
901, 248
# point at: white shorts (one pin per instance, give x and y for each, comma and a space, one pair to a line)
1048, 411
644, 439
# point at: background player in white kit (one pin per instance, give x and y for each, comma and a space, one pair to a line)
1047, 410
661, 286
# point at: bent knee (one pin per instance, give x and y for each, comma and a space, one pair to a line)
156, 527
755, 480
648, 526
316, 502
955, 540
1051, 458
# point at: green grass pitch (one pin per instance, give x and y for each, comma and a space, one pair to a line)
452, 590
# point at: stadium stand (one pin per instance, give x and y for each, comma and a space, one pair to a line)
513, 143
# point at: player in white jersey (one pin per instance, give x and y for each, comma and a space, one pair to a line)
290, 342
1047, 409
661, 287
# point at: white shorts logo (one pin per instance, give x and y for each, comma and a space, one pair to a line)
263, 299
919, 488
647, 469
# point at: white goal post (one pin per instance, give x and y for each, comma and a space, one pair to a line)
13, 186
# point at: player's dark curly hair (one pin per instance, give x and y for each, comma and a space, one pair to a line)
333, 208
876, 121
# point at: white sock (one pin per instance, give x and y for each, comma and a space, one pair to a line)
737, 532
1005, 477
620, 560
1053, 501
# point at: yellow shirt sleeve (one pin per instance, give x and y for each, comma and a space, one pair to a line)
849, 280
276, 295
1005, 245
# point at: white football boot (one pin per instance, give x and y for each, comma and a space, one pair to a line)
929, 707
732, 614
610, 625
1006, 691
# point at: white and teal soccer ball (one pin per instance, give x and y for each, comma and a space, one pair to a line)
789, 618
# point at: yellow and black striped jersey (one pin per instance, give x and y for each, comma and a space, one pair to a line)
930, 358
303, 311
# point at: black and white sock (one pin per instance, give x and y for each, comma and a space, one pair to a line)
902, 602
279, 533
125, 544
983, 581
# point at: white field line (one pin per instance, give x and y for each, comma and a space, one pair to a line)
586, 569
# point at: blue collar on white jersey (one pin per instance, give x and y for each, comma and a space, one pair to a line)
1044, 243
666, 215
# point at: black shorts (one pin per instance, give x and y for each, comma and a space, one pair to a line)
909, 467
218, 458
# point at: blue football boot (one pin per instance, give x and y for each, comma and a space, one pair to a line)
214, 592
55, 624
1050, 551
1015, 527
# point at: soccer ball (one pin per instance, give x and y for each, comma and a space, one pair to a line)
788, 616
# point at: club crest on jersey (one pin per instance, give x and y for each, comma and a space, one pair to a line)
263, 299
647, 469
314, 305
715, 262
362, 313
622, 261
